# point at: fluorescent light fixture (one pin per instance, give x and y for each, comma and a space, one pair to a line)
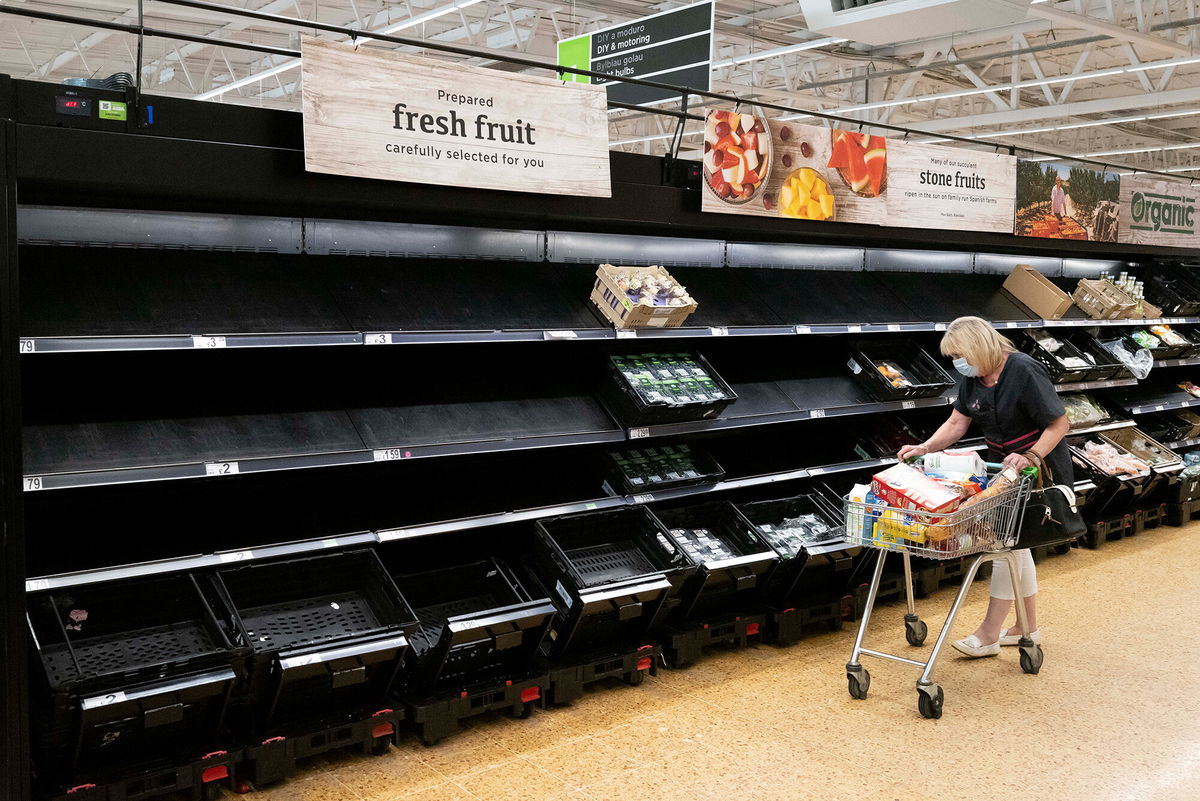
781, 51
1162, 65
366, 37
1128, 150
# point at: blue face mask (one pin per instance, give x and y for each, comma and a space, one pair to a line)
966, 368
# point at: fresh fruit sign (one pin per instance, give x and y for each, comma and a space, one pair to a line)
772, 168
949, 188
395, 117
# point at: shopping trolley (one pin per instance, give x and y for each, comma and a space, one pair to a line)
989, 528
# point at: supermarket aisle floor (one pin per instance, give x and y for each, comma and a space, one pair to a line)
1114, 715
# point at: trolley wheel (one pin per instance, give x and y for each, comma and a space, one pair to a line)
915, 632
379, 746
526, 710
1031, 659
635, 678
929, 701
859, 682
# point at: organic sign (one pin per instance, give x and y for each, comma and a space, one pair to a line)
773, 168
404, 118
1066, 201
673, 47
1158, 213
945, 188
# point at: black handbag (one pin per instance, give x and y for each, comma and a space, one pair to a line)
1051, 516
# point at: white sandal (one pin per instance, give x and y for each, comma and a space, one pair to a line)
972, 647
1015, 639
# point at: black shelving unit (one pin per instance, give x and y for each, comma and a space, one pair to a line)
481, 349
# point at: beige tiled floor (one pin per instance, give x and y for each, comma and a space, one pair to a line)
1113, 716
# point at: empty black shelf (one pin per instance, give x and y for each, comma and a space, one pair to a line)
119, 445
723, 299
822, 297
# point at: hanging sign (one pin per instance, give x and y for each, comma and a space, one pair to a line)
404, 118
1066, 201
775, 168
673, 47
1158, 213
949, 189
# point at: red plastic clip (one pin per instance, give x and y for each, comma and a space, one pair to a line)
383, 712
274, 740
508, 683
213, 754
463, 694
530, 694
383, 730
644, 663
793, 609
214, 774
645, 647
737, 620
705, 625
81, 788
751, 629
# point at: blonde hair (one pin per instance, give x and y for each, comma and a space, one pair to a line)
975, 340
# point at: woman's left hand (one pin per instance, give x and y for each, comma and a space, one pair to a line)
1017, 461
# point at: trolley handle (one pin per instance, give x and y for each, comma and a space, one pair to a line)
1030, 472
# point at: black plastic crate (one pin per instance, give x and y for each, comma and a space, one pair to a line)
133, 672
733, 563
636, 470
1160, 352
200, 780
1174, 293
277, 758
632, 408
883, 439
328, 632
925, 377
767, 517
1105, 365
476, 621
1067, 364
567, 681
610, 573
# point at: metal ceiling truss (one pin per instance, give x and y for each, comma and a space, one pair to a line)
1051, 82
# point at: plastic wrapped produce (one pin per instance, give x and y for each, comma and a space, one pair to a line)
1112, 461
793, 533
1145, 339
1190, 388
894, 374
1168, 336
1083, 411
1139, 362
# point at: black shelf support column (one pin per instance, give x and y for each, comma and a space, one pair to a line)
14, 695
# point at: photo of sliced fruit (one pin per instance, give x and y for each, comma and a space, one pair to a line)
805, 195
861, 161
737, 155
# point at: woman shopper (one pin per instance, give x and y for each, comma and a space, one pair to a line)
1010, 395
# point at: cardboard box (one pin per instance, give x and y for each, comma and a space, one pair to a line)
622, 312
905, 487
1037, 292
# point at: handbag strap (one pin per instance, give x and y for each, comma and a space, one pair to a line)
1045, 476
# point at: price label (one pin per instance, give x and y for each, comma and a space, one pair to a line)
1186, 404
854, 329
816, 413
647, 498
720, 331
1010, 325
908, 405
330, 543
28, 346
236, 556
34, 483
639, 433
816, 471
378, 339
560, 335
220, 468
626, 334
208, 342
103, 700
37, 585
939, 327
394, 534
893, 326
390, 454
1158, 408
589, 506
803, 329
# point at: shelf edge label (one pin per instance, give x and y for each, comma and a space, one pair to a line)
208, 342
221, 468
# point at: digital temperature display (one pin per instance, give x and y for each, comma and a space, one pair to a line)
76, 106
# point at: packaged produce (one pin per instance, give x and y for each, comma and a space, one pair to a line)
1168, 336
1142, 447
702, 545
1145, 339
1190, 388
792, 534
905, 487
1191, 463
1083, 411
1112, 461
893, 374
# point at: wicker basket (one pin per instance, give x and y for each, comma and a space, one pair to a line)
1102, 300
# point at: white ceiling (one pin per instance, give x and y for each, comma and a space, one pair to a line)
1060, 80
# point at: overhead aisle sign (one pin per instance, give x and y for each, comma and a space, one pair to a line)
375, 114
673, 47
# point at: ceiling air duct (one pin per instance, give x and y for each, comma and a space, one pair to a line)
885, 22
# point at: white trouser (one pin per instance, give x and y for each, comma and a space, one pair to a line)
1002, 587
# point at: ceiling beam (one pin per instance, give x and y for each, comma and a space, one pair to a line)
1072, 20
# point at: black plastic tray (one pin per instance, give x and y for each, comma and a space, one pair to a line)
1059, 373
633, 410
784, 583
475, 621
706, 469
929, 379
1106, 366
1175, 294
1163, 351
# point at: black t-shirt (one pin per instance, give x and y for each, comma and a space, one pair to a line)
1014, 413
